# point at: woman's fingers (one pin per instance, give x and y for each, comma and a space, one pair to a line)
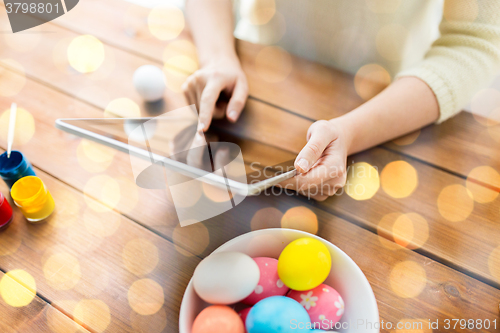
237, 101
321, 135
208, 98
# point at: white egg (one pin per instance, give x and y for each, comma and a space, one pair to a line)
226, 277
150, 82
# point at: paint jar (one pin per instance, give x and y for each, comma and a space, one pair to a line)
5, 212
33, 198
14, 168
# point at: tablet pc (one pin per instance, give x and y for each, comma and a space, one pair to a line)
171, 141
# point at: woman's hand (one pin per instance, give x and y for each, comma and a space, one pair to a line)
321, 164
204, 87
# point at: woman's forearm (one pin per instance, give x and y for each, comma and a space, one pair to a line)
405, 106
211, 24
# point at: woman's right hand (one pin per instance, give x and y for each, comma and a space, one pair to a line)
204, 87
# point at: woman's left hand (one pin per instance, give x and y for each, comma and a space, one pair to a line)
321, 164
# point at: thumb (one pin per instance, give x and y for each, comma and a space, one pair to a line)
321, 135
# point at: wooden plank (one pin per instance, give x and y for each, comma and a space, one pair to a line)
85, 260
311, 90
36, 316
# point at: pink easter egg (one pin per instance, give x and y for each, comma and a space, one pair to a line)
243, 315
324, 305
269, 283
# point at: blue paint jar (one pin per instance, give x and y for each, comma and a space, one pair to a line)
14, 168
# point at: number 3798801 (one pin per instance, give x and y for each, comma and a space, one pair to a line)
33, 8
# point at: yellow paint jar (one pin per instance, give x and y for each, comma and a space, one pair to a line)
33, 198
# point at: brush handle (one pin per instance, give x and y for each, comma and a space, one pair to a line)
12, 128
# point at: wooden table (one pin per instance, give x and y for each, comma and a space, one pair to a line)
113, 258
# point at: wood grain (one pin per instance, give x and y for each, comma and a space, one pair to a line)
367, 248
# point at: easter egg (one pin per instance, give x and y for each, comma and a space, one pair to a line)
324, 305
277, 314
225, 277
218, 319
269, 282
304, 264
149, 81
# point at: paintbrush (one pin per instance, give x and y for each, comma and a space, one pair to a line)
12, 128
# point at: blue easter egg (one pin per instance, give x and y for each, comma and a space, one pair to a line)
278, 314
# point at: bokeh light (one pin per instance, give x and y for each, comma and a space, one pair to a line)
191, 240
384, 230
383, 7
166, 22
146, 297
94, 157
370, 80
389, 40
105, 190
399, 179
398, 230
175, 78
86, 53
182, 55
490, 187
408, 279
485, 106
24, 41
122, 108
68, 213
10, 240
268, 217
140, 256
407, 139
18, 288
257, 12
494, 263
155, 323
24, 129
92, 313
300, 218
455, 203
101, 224
461, 10
410, 230
362, 181
215, 193
182, 63
273, 64
12, 80
62, 271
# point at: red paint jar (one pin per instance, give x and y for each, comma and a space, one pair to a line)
5, 212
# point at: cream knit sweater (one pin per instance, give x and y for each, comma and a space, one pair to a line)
453, 46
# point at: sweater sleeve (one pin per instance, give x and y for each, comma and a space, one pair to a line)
466, 56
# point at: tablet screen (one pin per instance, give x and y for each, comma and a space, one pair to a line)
174, 135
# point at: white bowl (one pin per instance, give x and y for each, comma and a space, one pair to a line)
346, 277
